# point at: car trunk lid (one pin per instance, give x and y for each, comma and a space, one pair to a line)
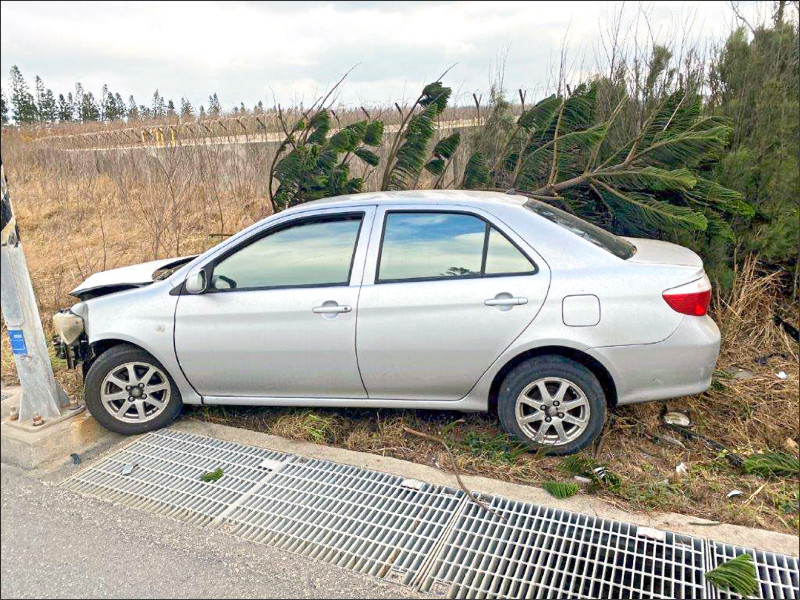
656, 252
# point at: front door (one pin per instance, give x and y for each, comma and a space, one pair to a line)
279, 317
449, 293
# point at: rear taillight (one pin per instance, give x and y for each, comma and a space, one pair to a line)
690, 299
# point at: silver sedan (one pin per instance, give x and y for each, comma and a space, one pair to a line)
467, 301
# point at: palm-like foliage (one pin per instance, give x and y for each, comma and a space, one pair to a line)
408, 154
315, 165
561, 151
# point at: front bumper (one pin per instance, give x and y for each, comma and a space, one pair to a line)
680, 365
77, 352
70, 342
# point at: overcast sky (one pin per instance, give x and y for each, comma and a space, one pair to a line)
250, 51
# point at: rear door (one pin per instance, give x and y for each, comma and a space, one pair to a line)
279, 319
444, 293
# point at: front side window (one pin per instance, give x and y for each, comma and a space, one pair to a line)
420, 246
312, 253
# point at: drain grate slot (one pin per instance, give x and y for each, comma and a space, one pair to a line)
543, 553
778, 574
414, 533
362, 520
165, 475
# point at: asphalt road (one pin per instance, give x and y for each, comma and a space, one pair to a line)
55, 543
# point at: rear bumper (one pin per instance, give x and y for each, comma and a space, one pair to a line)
681, 365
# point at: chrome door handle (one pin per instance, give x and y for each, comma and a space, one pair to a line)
513, 301
331, 309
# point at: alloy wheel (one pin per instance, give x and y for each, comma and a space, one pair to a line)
135, 392
552, 411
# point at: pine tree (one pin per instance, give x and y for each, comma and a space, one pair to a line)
202, 112
637, 176
86, 106
133, 109
310, 165
259, 108
408, 153
242, 109
754, 81
22, 102
214, 108
187, 110
106, 104
48, 112
3, 107
38, 87
170, 109
66, 108
120, 111
159, 108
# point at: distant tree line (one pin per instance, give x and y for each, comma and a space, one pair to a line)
43, 107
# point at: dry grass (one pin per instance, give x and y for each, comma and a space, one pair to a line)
81, 213
745, 415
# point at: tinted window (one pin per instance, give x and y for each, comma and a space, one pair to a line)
312, 253
503, 257
431, 245
599, 237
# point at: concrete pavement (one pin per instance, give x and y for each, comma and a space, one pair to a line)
57, 544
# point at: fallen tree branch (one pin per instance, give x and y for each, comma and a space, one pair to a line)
471, 495
733, 458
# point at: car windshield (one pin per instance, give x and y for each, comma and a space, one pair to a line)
616, 245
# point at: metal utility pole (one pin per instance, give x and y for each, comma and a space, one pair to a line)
40, 393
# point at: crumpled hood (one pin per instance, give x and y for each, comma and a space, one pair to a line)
122, 278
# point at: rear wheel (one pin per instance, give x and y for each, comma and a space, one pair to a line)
129, 392
552, 403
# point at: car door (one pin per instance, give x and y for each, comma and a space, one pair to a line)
444, 293
278, 318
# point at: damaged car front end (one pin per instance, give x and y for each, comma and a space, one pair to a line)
71, 325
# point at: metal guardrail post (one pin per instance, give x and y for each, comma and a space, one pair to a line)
41, 394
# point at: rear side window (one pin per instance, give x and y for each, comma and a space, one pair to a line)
423, 246
503, 257
311, 253
599, 237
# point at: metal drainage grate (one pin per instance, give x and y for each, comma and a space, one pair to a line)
165, 469
777, 574
414, 533
371, 522
545, 553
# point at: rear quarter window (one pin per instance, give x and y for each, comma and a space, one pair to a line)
619, 247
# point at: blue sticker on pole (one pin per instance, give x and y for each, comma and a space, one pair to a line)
17, 338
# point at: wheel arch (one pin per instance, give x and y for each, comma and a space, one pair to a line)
595, 366
101, 346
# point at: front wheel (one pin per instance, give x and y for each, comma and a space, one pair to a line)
130, 392
552, 403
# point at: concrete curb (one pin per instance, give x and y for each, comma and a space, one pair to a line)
732, 534
52, 444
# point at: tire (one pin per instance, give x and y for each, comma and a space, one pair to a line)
111, 373
580, 413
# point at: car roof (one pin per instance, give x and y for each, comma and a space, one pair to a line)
399, 198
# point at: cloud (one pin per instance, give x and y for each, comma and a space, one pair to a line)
250, 51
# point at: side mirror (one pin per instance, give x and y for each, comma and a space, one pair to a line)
196, 282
